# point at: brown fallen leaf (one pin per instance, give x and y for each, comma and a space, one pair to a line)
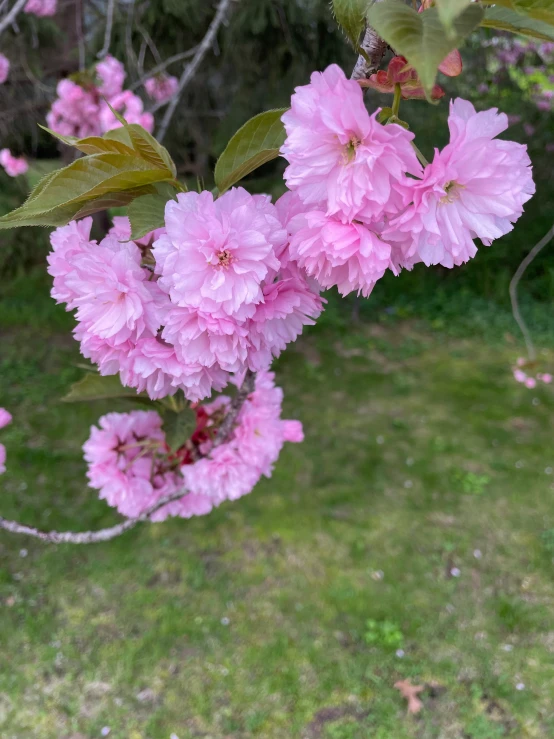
410, 692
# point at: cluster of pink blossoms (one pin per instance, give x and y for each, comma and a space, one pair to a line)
82, 109
42, 8
211, 294
5, 419
162, 87
530, 381
133, 467
360, 202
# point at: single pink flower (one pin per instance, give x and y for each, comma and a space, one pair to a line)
14, 166
530, 382
474, 188
351, 256
162, 87
547, 378
5, 418
4, 68
342, 160
217, 254
520, 376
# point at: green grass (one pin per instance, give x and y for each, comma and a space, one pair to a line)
280, 615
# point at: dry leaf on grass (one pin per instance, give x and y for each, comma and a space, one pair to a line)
410, 692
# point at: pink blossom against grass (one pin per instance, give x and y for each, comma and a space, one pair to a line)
162, 87
126, 461
4, 68
340, 157
351, 256
5, 419
14, 166
111, 74
217, 254
474, 188
233, 469
42, 8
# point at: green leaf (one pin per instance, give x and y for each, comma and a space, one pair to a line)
96, 387
542, 10
149, 149
449, 10
421, 37
148, 212
62, 194
256, 143
179, 427
505, 19
350, 15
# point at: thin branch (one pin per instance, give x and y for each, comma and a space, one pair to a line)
80, 34
546, 239
93, 537
108, 32
161, 67
11, 15
88, 537
190, 70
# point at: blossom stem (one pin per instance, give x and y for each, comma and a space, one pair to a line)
397, 99
420, 155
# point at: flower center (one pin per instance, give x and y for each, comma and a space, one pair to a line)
224, 258
452, 190
350, 149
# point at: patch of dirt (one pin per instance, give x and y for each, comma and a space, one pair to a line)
329, 714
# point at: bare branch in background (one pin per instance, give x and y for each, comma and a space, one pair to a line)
161, 67
80, 34
11, 15
546, 239
94, 537
108, 32
191, 69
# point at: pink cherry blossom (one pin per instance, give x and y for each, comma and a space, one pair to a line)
75, 112
125, 457
288, 305
130, 106
114, 300
112, 75
546, 378
351, 256
341, 157
67, 241
519, 375
474, 188
5, 419
217, 254
14, 166
531, 383
162, 87
42, 8
4, 68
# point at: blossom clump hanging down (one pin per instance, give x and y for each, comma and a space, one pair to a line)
82, 107
14, 166
5, 419
211, 294
133, 467
360, 202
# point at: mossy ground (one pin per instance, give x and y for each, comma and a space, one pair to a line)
422, 500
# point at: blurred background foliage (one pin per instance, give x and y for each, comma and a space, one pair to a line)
265, 50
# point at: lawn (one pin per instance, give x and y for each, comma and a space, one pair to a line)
410, 537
